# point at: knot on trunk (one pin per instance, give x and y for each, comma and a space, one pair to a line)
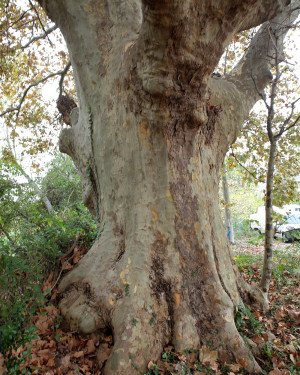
65, 104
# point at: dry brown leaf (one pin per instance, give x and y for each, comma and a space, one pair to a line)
105, 347
2, 368
72, 342
35, 361
280, 313
276, 371
66, 266
51, 310
42, 324
224, 356
40, 343
78, 354
65, 362
208, 355
257, 339
235, 367
90, 346
192, 357
281, 327
77, 258
277, 362
242, 362
295, 315
89, 363
214, 365
51, 363
52, 344
265, 337
101, 357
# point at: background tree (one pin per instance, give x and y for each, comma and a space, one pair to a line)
268, 146
227, 207
148, 138
275, 129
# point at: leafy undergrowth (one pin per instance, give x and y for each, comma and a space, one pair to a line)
272, 337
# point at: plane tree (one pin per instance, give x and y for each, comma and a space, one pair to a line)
149, 137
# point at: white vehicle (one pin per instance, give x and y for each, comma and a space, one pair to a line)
292, 209
289, 229
257, 221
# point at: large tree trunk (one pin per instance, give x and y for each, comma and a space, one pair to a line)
149, 139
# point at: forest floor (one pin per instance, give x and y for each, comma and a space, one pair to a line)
273, 336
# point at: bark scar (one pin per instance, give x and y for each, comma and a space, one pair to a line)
159, 284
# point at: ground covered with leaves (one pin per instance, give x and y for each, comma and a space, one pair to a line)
273, 337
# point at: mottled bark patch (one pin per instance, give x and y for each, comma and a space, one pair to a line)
208, 130
119, 234
161, 287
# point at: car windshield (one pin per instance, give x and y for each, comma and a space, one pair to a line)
293, 219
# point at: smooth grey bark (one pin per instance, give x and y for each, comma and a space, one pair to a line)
38, 191
149, 138
228, 218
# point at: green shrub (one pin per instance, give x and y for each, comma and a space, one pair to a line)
31, 240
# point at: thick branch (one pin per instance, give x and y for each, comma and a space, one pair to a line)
38, 37
261, 12
242, 14
198, 30
62, 77
252, 73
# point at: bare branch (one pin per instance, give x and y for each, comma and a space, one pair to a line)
38, 37
63, 74
33, 85
13, 109
40, 21
292, 125
32, 20
246, 169
18, 108
16, 21
287, 120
